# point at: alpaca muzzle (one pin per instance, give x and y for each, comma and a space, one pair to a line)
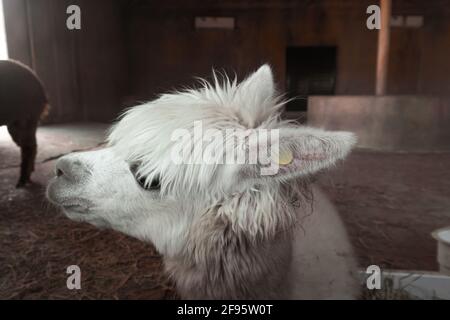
72, 169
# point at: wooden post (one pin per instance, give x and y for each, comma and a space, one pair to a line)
383, 48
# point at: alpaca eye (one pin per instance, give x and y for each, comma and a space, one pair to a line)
154, 185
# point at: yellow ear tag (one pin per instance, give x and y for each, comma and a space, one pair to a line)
285, 157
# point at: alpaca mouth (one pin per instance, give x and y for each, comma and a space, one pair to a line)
78, 208
69, 203
74, 205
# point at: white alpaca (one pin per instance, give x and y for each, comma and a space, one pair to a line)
224, 230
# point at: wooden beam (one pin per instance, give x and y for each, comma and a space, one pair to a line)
383, 48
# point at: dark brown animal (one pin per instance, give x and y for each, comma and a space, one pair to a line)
23, 102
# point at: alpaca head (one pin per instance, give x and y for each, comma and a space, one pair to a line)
154, 182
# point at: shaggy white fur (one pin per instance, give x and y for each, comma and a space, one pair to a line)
224, 230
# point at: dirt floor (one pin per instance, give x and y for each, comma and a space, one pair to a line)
37, 243
390, 203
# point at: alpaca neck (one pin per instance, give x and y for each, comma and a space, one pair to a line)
241, 248
233, 268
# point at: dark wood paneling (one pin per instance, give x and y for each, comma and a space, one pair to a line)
16, 27
82, 70
167, 51
102, 58
404, 67
134, 49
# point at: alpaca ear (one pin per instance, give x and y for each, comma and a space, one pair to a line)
288, 153
255, 95
260, 83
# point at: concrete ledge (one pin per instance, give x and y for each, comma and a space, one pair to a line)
401, 123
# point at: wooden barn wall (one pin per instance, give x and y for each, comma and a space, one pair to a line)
129, 50
83, 70
434, 73
166, 50
419, 57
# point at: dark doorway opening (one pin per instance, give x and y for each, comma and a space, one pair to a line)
309, 71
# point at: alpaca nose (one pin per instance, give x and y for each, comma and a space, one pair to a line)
71, 168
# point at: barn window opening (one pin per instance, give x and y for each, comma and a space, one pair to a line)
309, 71
3, 45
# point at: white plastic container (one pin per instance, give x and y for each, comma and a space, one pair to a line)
443, 253
422, 285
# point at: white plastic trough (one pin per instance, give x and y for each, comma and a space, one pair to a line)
421, 284
442, 236
418, 284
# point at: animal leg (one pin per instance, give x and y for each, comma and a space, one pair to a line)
23, 134
15, 131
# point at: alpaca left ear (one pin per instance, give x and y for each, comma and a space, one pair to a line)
288, 153
255, 95
260, 82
